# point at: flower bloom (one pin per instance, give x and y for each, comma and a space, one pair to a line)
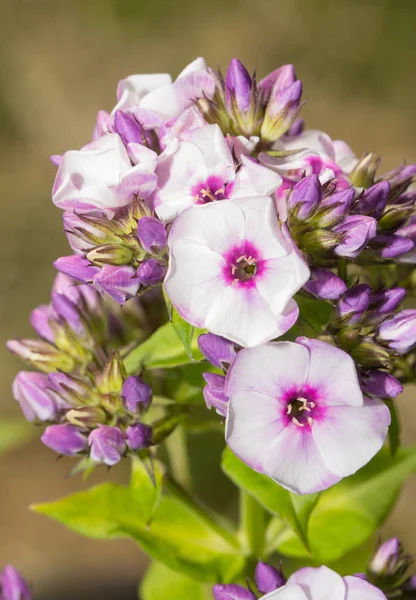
233, 271
297, 414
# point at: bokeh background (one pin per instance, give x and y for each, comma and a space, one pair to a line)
59, 63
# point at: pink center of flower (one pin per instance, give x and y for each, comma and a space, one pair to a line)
300, 411
243, 264
214, 188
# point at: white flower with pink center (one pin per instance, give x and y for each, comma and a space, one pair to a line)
233, 271
198, 168
324, 584
297, 414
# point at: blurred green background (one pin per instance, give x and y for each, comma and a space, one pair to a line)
60, 63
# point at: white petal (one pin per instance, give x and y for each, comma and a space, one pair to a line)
357, 589
253, 179
348, 437
194, 280
196, 65
312, 139
288, 592
133, 88
332, 371
319, 584
214, 149
268, 369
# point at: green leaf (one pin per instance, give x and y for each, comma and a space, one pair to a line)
14, 433
168, 529
349, 513
164, 349
161, 583
314, 312
295, 510
146, 486
184, 330
394, 429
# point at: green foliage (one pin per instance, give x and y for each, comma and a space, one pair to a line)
14, 433
295, 510
394, 429
164, 349
171, 529
315, 313
349, 513
185, 332
161, 583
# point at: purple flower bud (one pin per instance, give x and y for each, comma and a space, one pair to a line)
401, 175
64, 439
400, 331
386, 301
380, 384
151, 233
69, 312
13, 586
307, 193
355, 302
120, 283
137, 394
238, 86
340, 201
296, 128
216, 349
325, 284
374, 200
232, 592
128, 128
107, 444
150, 272
139, 436
77, 267
30, 389
278, 80
56, 159
409, 586
41, 354
103, 125
357, 231
40, 320
79, 294
391, 245
385, 558
268, 578
282, 109
70, 390
214, 393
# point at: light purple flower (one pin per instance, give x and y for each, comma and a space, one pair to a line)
400, 331
151, 233
233, 271
217, 350
238, 86
214, 393
13, 586
306, 194
325, 284
199, 169
137, 394
357, 231
76, 267
268, 578
282, 108
150, 272
64, 439
390, 245
120, 283
374, 200
100, 177
386, 301
32, 391
40, 319
355, 302
139, 437
297, 414
107, 445
379, 384
232, 592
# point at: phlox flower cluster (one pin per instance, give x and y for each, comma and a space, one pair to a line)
211, 187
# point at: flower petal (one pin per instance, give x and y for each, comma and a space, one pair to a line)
319, 584
358, 589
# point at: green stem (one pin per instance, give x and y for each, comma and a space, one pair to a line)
253, 524
179, 457
343, 268
201, 513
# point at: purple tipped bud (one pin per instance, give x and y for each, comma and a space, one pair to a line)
128, 128
151, 233
41, 354
268, 578
30, 389
385, 558
107, 445
374, 200
40, 320
79, 294
77, 267
139, 436
238, 86
340, 203
387, 301
120, 283
400, 331
409, 586
307, 193
137, 394
391, 245
379, 384
13, 586
64, 439
214, 393
296, 128
103, 125
357, 232
232, 592
355, 302
277, 80
150, 272
68, 311
56, 159
216, 349
401, 175
325, 284
282, 109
